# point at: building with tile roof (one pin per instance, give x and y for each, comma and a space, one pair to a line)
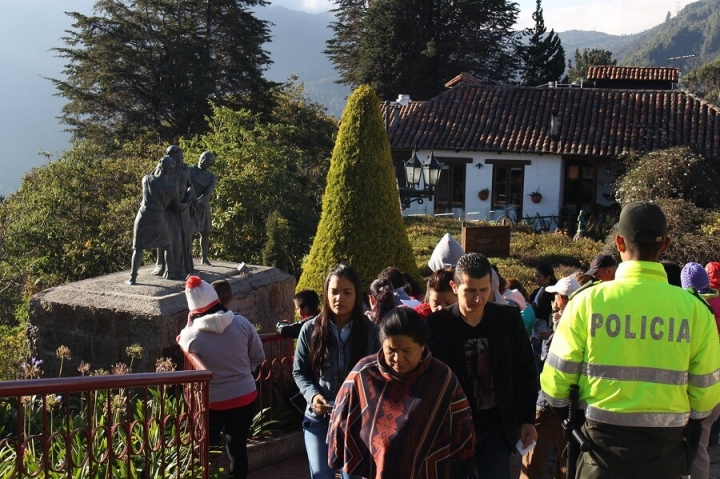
563, 141
613, 76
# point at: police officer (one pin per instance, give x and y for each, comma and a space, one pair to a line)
640, 352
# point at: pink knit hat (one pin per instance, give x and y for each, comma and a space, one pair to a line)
200, 295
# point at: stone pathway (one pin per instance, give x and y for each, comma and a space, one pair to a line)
294, 468
297, 468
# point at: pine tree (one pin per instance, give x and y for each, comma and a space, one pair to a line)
585, 60
361, 223
416, 46
150, 66
544, 56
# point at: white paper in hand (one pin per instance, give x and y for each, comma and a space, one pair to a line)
522, 450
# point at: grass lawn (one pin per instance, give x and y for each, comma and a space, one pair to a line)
527, 250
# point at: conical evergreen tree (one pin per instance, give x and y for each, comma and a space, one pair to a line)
544, 56
361, 223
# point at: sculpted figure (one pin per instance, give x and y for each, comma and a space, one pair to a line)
581, 226
203, 182
151, 228
179, 222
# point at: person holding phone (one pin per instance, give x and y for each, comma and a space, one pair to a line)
328, 348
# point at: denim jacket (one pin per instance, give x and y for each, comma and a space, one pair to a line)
331, 376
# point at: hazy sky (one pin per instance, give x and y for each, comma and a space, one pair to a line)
30, 28
610, 16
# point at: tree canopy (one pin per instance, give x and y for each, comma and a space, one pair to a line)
672, 173
271, 174
361, 222
73, 218
544, 56
687, 188
150, 66
705, 81
416, 46
583, 61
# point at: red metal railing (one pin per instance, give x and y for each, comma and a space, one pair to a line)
274, 380
277, 347
130, 425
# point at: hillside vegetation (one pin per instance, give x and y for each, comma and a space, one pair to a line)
581, 39
694, 31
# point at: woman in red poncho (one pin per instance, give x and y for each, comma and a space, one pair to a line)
401, 413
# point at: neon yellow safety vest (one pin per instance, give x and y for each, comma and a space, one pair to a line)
644, 352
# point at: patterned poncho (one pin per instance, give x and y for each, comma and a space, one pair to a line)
387, 427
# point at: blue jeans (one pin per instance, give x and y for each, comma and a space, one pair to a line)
315, 433
492, 456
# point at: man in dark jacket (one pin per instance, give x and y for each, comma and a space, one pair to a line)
486, 346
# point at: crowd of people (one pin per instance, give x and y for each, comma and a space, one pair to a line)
451, 383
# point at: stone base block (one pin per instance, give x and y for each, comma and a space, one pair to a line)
99, 317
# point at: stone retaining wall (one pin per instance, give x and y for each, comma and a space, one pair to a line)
99, 317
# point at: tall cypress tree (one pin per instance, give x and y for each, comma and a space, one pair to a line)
150, 66
544, 56
361, 223
416, 46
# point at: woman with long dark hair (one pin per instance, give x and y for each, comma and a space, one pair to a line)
328, 348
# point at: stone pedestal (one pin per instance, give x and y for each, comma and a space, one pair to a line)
99, 317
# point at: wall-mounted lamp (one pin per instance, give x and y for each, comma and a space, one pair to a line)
479, 165
429, 170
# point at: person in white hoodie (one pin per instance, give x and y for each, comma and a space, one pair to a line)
231, 349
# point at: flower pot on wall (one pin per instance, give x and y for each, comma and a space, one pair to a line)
536, 198
483, 195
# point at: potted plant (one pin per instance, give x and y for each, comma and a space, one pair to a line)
484, 194
535, 196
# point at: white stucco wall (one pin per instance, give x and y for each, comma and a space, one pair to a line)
543, 173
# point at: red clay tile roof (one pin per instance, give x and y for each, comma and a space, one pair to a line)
611, 72
403, 111
463, 78
593, 121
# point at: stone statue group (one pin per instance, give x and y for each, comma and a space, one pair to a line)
175, 205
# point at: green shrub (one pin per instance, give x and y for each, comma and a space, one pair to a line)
688, 227
361, 223
14, 351
674, 173
687, 187
274, 253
